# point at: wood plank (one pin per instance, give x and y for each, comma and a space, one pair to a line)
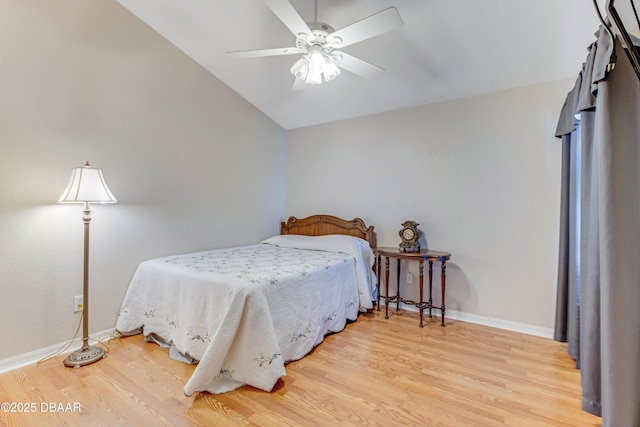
377, 372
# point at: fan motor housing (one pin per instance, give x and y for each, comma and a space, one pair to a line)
319, 31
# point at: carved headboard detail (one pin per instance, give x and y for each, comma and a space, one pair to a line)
321, 225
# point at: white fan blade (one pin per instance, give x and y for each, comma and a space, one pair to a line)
374, 25
265, 52
289, 16
358, 66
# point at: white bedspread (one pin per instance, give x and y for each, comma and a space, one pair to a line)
243, 312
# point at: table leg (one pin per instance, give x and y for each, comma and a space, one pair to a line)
443, 277
421, 270
386, 289
430, 287
377, 266
398, 286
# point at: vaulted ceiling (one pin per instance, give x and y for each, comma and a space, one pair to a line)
445, 49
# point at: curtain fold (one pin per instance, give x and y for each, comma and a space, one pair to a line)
598, 298
562, 296
589, 269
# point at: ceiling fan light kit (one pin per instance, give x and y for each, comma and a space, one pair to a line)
313, 65
317, 41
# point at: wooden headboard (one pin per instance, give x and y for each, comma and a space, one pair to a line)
321, 225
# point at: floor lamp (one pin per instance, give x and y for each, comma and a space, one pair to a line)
86, 186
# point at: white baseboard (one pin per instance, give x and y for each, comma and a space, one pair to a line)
508, 325
33, 357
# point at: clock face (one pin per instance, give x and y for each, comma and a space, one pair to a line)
408, 234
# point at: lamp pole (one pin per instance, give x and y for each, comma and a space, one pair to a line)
87, 354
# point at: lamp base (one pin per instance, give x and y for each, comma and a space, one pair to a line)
84, 356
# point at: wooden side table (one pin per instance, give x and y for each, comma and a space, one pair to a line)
422, 256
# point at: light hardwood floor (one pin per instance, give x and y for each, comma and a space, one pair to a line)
377, 372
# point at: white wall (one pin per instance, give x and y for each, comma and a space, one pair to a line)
481, 176
192, 164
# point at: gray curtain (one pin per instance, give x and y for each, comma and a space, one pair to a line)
598, 299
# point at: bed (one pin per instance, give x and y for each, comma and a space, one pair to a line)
242, 313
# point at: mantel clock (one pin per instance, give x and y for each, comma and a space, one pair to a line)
410, 233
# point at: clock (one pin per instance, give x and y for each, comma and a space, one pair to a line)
410, 235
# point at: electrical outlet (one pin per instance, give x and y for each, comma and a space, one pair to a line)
409, 278
78, 303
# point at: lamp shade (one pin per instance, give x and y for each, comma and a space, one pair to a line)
331, 71
87, 185
300, 68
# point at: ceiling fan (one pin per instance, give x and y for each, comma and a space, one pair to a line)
318, 43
